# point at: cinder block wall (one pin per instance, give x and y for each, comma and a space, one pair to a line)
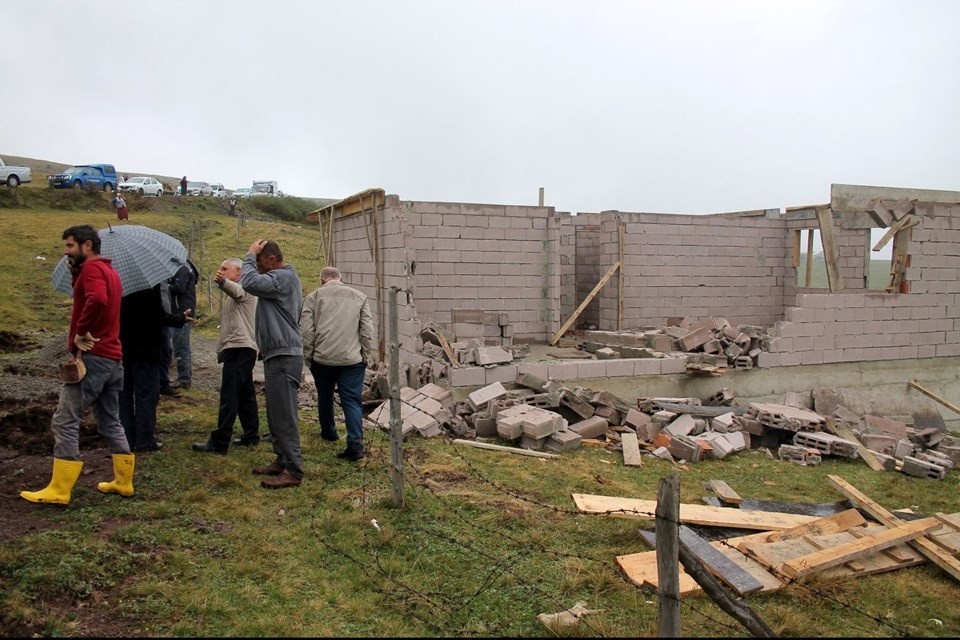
733, 266
865, 326
588, 272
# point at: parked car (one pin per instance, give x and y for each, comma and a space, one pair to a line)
243, 192
219, 190
86, 176
144, 185
13, 176
199, 189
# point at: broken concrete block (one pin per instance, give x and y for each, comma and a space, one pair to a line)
663, 418
738, 440
889, 462
481, 397
663, 453
681, 426
697, 338
485, 427
699, 426
903, 449
526, 442
922, 469
937, 458
576, 404
606, 353
952, 452
564, 440
493, 355
425, 425
661, 342
610, 414
799, 455
684, 448
592, 427
531, 382
636, 419
885, 426
722, 423
879, 442
540, 423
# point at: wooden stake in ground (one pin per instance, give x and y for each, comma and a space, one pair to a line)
583, 305
668, 557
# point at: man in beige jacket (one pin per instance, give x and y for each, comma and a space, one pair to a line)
237, 350
337, 334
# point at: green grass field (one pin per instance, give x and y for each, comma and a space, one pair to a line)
486, 542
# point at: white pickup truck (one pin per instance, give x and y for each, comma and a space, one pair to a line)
13, 176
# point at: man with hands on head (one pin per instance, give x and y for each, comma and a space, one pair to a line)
237, 351
277, 327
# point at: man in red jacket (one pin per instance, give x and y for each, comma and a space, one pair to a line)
94, 337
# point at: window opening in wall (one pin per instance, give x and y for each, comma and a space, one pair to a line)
808, 260
880, 262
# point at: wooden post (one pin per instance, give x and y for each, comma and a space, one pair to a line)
396, 424
541, 197
929, 394
668, 556
621, 230
809, 274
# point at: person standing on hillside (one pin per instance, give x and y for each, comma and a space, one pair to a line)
95, 337
237, 351
280, 294
183, 186
337, 330
183, 289
121, 206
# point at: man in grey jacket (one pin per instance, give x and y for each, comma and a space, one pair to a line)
337, 334
280, 294
237, 351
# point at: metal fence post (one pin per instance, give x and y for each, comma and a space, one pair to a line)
396, 428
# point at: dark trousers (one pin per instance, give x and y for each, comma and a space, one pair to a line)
237, 398
138, 402
166, 353
349, 383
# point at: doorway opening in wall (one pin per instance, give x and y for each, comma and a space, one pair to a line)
808, 259
879, 263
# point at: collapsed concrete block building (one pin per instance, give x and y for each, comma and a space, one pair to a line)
529, 268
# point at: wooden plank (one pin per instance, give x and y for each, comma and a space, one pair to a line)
497, 447
900, 260
621, 230
698, 410
832, 524
846, 433
928, 548
723, 491
880, 214
853, 565
451, 356
797, 233
718, 564
914, 385
818, 561
586, 301
631, 449
892, 231
808, 277
690, 513
893, 552
831, 254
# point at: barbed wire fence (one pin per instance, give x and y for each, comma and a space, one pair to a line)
455, 613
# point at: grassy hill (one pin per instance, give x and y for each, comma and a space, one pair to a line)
878, 278
35, 216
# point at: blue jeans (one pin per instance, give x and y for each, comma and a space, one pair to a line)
99, 390
349, 383
181, 351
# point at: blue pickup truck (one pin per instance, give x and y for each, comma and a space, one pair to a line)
86, 176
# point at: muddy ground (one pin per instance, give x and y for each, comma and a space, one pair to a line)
29, 392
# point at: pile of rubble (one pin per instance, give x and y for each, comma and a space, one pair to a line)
710, 345
547, 415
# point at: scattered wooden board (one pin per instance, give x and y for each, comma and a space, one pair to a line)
498, 447
846, 433
720, 565
723, 491
690, 513
924, 545
827, 557
833, 524
631, 449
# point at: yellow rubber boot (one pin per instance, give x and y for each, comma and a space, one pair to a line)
122, 476
65, 474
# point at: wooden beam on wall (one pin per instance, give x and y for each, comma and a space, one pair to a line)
831, 253
586, 301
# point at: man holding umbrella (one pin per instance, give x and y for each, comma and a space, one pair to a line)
94, 336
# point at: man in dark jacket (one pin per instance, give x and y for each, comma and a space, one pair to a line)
142, 316
179, 294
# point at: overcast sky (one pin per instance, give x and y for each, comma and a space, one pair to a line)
681, 107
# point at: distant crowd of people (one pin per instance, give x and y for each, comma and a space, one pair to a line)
127, 343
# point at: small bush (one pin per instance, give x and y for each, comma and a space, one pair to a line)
11, 198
